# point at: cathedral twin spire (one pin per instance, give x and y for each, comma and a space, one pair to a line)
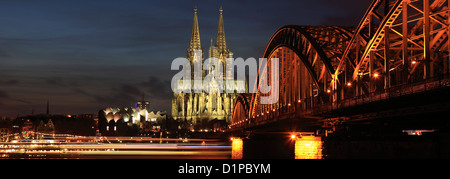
195, 106
220, 39
195, 43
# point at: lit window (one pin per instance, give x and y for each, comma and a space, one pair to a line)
107, 128
115, 128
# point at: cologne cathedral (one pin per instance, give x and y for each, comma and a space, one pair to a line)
201, 107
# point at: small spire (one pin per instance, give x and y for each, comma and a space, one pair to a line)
195, 9
221, 10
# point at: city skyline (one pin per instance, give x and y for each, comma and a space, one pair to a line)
83, 56
116, 79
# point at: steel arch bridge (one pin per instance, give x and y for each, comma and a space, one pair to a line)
396, 44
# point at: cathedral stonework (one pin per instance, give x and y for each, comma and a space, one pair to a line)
195, 107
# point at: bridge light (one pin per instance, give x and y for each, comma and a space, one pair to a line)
328, 91
293, 136
349, 84
376, 75
413, 62
299, 101
289, 104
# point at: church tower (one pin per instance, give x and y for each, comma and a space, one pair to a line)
221, 43
220, 50
202, 106
195, 43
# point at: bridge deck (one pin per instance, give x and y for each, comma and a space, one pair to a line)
431, 95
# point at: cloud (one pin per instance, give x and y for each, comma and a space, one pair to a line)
55, 82
11, 82
23, 101
80, 91
3, 94
123, 95
157, 88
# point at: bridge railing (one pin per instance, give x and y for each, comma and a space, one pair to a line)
386, 94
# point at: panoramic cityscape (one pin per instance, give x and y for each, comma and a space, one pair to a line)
357, 79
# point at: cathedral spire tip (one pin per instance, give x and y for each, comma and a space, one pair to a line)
195, 37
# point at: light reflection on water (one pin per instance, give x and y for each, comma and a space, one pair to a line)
127, 147
308, 147
236, 148
305, 147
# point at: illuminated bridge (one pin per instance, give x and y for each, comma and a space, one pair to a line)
391, 69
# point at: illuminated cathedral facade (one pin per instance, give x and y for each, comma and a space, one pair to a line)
196, 107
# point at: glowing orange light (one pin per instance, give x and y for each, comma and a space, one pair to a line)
349, 84
299, 101
308, 147
289, 104
236, 148
376, 75
413, 62
328, 91
293, 136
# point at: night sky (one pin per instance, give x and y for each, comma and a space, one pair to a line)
86, 55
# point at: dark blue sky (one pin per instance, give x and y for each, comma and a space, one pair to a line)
86, 55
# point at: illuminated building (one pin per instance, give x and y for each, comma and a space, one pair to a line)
27, 129
142, 104
5, 129
128, 121
48, 128
201, 107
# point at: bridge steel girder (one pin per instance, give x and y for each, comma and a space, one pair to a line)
397, 42
314, 53
240, 111
411, 49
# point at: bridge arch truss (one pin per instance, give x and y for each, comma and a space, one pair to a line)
397, 42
